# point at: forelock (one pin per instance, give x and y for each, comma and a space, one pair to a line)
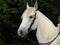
28, 11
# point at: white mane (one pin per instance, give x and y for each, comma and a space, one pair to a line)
46, 30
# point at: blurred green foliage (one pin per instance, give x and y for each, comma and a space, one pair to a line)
11, 11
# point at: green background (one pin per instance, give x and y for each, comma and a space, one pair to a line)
10, 13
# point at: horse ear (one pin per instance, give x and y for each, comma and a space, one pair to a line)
36, 5
27, 5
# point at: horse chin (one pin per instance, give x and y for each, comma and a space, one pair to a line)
23, 36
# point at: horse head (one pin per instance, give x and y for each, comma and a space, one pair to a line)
28, 20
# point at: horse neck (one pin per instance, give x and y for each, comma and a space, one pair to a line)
46, 31
44, 23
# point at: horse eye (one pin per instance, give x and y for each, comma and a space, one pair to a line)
31, 17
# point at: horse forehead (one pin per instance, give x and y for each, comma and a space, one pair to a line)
28, 11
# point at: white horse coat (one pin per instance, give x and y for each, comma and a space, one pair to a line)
46, 30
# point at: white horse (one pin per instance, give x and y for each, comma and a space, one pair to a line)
46, 34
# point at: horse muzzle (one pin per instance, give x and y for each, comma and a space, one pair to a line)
21, 33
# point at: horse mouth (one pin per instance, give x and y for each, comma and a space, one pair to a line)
22, 35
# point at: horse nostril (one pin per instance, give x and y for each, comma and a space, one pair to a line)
21, 31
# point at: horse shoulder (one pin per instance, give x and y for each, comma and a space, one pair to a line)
58, 28
56, 41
